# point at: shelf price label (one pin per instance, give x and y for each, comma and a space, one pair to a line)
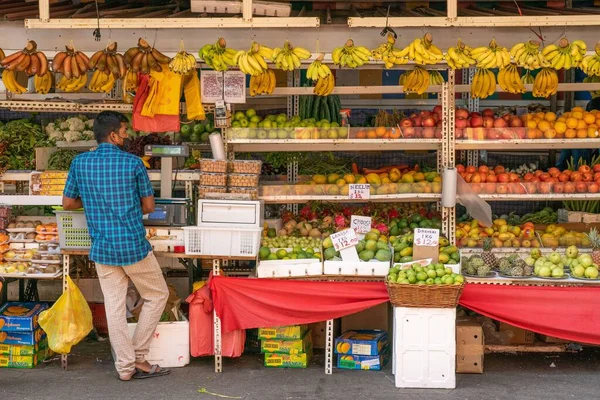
344, 239
360, 224
359, 191
427, 237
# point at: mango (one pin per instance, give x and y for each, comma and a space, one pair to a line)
349, 178
373, 179
319, 179
331, 178
366, 255
383, 255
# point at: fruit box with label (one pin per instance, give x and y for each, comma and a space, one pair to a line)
364, 267
275, 268
276, 360
361, 342
23, 350
27, 361
375, 363
18, 317
26, 338
283, 332
296, 346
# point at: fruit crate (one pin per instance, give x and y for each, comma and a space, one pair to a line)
289, 268
358, 268
73, 231
221, 241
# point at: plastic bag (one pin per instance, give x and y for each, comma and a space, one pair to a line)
476, 207
68, 321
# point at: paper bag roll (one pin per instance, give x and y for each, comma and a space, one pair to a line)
216, 145
449, 187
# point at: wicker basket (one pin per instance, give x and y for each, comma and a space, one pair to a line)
424, 296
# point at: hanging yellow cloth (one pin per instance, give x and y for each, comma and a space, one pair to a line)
164, 93
193, 102
148, 110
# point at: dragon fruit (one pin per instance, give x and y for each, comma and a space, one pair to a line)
340, 221
381, 227
393, 213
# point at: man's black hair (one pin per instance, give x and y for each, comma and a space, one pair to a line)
594, 104
107, 122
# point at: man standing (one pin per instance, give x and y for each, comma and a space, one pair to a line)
113, 187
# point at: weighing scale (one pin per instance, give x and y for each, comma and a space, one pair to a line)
166, 153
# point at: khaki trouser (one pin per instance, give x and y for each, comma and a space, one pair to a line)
148, 279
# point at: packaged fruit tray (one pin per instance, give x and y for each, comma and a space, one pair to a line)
215, 166
20, 230
212, 179
242, 180
245, 167
251, 192
204, 190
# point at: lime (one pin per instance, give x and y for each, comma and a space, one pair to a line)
239, 116
281, 253
186, 130
199, 129
264, 252
421, 276
250, 112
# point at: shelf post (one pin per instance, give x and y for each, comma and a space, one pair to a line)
44, 10
217, 326
452, 9
448, 157
247, 10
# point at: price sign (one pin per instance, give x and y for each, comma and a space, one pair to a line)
360, 224
521, 111
359, 191
344, 239
427, 237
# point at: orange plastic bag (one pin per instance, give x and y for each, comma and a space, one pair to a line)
68, 321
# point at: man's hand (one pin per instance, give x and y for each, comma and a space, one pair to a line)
147, 205
71, 204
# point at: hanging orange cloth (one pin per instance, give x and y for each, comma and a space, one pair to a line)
193, 102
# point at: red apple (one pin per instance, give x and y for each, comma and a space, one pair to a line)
506, 117
460, 133
488, 112
515, 122
424, 113
408, 132
437, 118
406, 122
488, 122
500, 123
460, 123
476, 121
461, 112
492, 134
428, 121
437, 109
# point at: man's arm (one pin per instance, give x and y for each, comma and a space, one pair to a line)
147, 204
73, 204
71, 199
145, 189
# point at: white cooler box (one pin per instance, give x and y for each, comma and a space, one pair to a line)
170, 346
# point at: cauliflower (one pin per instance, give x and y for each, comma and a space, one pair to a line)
64, 126
87, 135
56, 136
89, 123
75, 124
50, 128
72, 136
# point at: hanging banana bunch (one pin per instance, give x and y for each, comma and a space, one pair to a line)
493, 56
510, 80
417, 80
2, 55
566, 55
317, 69
32, 62
109, 66
263, 83
545, 83
389, 54
217, 56
459, 57
73, 65
252, 62
590, 65
144, 58
528, 55
289, 58
435, 78
183, 62
423, 51
350, 55
484, 84
527, 79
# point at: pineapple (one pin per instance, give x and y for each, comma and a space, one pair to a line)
488, 257
595, 242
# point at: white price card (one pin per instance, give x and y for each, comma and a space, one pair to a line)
234, 87
359, 191
344, 239
360, 224
427, 237
211, 83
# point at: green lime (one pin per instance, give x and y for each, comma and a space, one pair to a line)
199, 129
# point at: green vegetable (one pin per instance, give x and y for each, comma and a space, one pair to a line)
19, 139
61, 160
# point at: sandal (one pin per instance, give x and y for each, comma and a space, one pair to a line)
152, 373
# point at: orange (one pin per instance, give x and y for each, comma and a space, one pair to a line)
598, 121
550, 134
578, 109
592, 132
371, 134
562, 118
582, 133
531, 124
560, 127
577, 114
361, 134
589, 118
544, 126
571, 123
550, 116
528, 117
581, 124
380, 131
540, 115
570, 133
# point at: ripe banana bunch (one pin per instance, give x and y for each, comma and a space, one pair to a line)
492, 56
28, 60
263, 83
317, 69
593, 79
527, 79
144, 58
183, 63
435, 78
389, 54
324, 86
43, 84
71, 63
528, 55
591, 64
108, 61
73, 84
459, 57
217, 56
484, 84
11, 84
350, 55
102, 81
130, 83
545, 83
510, 80
417, 80
252, 62
566, 55
289, 58
423, 51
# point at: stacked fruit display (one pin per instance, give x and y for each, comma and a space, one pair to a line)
297, 237
424, 124
403, 248
290, 253
432, 274
374, 246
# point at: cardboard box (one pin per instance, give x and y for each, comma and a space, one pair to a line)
318, 333
27, 338
296, 346
20, 317
551, 339
27, 361
283, 332
372, 318
374, 363
469, 346
518, 335
23, 350
276, 360
361, 342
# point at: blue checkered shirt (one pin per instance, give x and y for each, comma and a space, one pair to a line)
111, 184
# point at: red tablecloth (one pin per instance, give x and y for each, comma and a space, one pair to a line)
564, 312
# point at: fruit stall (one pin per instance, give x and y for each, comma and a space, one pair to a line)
319, 153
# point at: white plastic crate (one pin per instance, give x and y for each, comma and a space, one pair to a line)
356, 268
225, 213
170, 345
73, 230
226, 241
289, 268
424, 347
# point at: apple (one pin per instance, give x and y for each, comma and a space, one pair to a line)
460, 133
500, 123
425, 113
515, 122
437, 109
460, 123
437, 118
488, 122
406, 123
506, 117
462, 113
476, 121
488, 112
474, 114
417, 121
429, 121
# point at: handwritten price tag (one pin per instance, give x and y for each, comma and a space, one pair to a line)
360, 224
427, 237
359, 191
344, 239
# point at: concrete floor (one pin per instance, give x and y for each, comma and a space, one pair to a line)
91, 375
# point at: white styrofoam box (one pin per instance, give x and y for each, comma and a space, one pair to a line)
359, 268
170, 345
424, 347
455, 267
287, 268
239, 213
229, 241
275, 223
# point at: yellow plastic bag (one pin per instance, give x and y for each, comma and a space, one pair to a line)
68, 321
191, 90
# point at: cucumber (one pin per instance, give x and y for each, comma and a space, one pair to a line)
326, 113
315, 107
308, 107
302, 107
333, 110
